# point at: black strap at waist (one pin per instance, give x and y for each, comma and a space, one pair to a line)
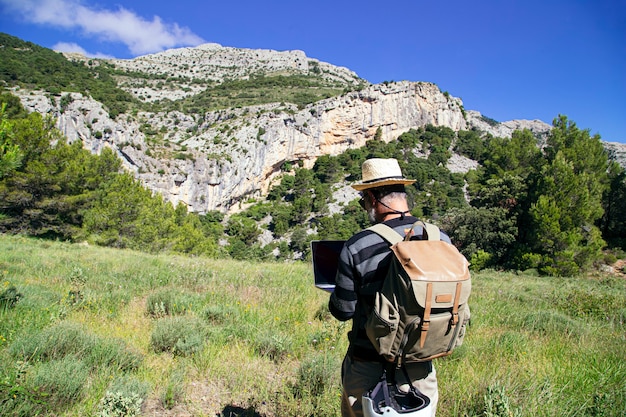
365, 354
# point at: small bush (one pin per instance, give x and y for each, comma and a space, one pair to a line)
174, 389
165, 303
123, 398
117, 404
9, 297
275, 346
114, 353
498, 404
582, 302
53, 343
316, 375
553, 322
178, 335
17, 397
160, 304
480, 260
129, 385
68, 339
60, 382
219, 314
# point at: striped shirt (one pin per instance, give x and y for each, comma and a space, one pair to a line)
363, 264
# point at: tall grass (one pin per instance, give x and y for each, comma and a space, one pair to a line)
102, 332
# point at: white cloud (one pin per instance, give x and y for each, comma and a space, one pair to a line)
75, 48
141, 36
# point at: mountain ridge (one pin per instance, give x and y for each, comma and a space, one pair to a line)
217, 159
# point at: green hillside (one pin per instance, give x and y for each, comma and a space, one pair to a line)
89, 331
29, 65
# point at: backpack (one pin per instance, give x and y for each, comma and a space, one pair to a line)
422, 310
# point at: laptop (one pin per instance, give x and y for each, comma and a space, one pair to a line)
325, 254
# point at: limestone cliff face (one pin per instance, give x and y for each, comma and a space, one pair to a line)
218, 160
227, 170
235, 155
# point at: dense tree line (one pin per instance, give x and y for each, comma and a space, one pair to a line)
57, 190
553, 209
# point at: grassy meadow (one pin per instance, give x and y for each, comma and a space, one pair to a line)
90, 331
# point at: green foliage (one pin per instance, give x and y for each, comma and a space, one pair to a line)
17, 396
124, 397
179, 335
318, 378
116, 404
498, 404
602, 303
469, 143
545, 345
481, 232
243, 229
124, 214
62, 380
261, 89
555, 197
613, 223
167, 302
328, 169
10, 154
272, 345
173, 391
55, 183
26, 64
569, 204
480, 260
9, 297
68, 339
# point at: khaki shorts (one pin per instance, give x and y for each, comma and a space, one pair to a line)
358, 376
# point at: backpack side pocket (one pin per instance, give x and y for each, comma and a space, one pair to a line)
382, 325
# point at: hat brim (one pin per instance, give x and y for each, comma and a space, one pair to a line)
381, 183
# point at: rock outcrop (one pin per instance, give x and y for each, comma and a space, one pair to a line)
218, 160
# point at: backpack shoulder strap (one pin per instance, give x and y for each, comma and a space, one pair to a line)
387, 233
432, 231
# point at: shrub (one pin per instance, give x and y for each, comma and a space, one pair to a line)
114, 353
179, 335
497, 403
173, 390
316, 375
68, 339
480, 260
53, 343
166, 303
159, 304
117, 404
553, 322
123, 398
272, 345
17, 397
9, 297
59, 382
219, 314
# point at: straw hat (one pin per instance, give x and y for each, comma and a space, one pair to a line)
378, 172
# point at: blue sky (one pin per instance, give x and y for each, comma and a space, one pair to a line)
508, 59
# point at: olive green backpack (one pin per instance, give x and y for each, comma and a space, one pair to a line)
422, 309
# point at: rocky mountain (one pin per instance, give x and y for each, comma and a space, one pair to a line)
219, 159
